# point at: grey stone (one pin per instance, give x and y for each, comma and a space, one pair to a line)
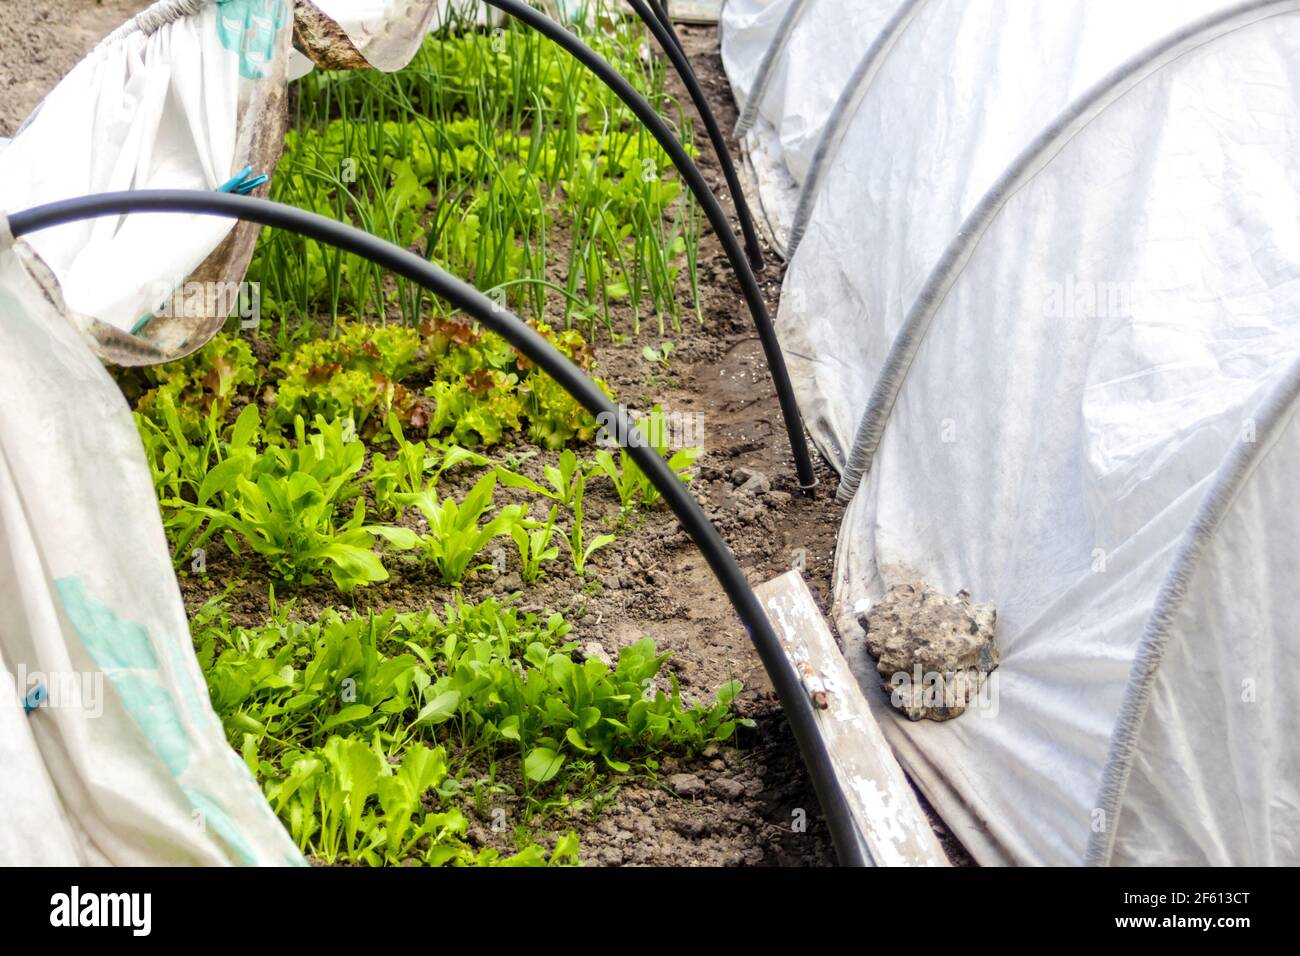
686, 784
933, 651
751, 482
728, 789
593, 650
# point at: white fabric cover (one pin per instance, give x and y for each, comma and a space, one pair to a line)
158, 111
918, 188
1233, 597
808, 77
388, 33
747, 29
1094, 360
804, 82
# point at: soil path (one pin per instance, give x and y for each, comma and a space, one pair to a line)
41, 40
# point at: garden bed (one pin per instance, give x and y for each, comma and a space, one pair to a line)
720, 785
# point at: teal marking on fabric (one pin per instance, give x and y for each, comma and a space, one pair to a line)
243, 183
239, 769
250, 28
120, 646
151, 707
111, 640
122, 649
215, 817
193, 691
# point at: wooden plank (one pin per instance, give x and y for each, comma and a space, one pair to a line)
891, 825
695, 11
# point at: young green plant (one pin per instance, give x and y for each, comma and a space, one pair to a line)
562, 478
455, 535
579, 549
533, 539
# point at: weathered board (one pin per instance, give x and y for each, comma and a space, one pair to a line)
695, 11
891, 825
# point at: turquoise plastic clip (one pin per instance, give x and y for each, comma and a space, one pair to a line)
243, 182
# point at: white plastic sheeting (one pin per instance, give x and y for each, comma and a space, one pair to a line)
748, 31
823, 49
1211, 630
1050, 280
789, 61
388, 33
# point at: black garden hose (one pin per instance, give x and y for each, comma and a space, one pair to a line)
661, 14
794, 699
672, 47
712, 208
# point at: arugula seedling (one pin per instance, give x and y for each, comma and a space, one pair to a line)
455, 536
630, 483
562, 478
658, 355
535, 546
405, 472
579, 551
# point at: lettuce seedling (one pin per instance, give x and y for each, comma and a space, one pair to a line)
290, 522
284, 504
